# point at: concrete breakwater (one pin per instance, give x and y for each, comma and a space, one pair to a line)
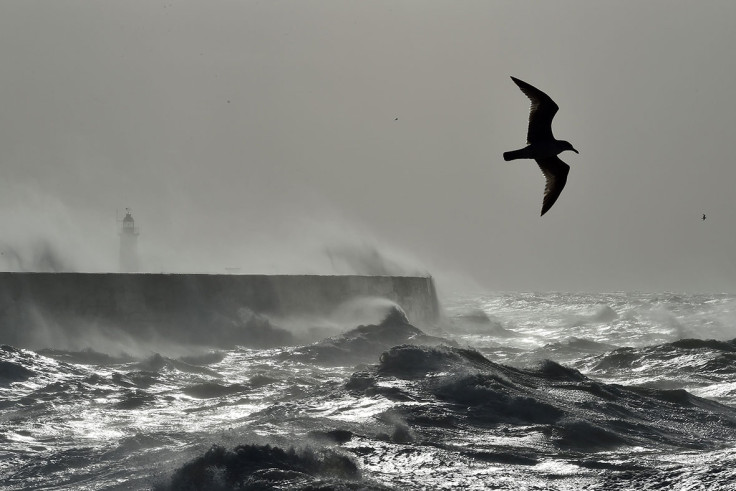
38, 309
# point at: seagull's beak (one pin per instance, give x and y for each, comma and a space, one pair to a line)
576, 151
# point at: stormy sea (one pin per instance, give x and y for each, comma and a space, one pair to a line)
518, 391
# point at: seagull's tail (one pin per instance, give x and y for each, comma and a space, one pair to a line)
514, 154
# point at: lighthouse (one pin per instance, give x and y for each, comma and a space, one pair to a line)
128, 244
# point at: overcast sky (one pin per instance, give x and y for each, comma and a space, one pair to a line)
254, 134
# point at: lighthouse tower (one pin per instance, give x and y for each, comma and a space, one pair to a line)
128, 244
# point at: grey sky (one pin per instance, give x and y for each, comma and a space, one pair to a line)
252, 134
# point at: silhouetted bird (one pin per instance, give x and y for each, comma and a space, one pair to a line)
703, 216
542, 146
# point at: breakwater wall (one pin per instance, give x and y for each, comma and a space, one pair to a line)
35, 307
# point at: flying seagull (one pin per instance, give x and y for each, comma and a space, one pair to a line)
703, 216
542, 146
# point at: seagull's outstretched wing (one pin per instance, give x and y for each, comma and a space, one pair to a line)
540, 116
555, 171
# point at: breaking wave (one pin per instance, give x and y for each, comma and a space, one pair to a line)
577, 413
266, 467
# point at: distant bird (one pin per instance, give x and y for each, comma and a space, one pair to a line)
542, 146
703, 216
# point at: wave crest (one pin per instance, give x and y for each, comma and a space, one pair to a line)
263, 467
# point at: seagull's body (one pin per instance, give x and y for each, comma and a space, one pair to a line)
542, 145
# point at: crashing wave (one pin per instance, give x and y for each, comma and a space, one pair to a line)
461, 388
713, 357
266, 467
364, 343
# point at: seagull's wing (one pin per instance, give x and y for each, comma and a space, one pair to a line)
555, 172
540, 116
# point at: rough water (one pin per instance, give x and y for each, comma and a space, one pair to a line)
517, 391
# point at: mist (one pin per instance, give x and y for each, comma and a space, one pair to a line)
46, 236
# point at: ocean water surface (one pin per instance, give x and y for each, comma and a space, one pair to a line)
509, 390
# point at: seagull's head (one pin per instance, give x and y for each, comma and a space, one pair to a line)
566, 145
